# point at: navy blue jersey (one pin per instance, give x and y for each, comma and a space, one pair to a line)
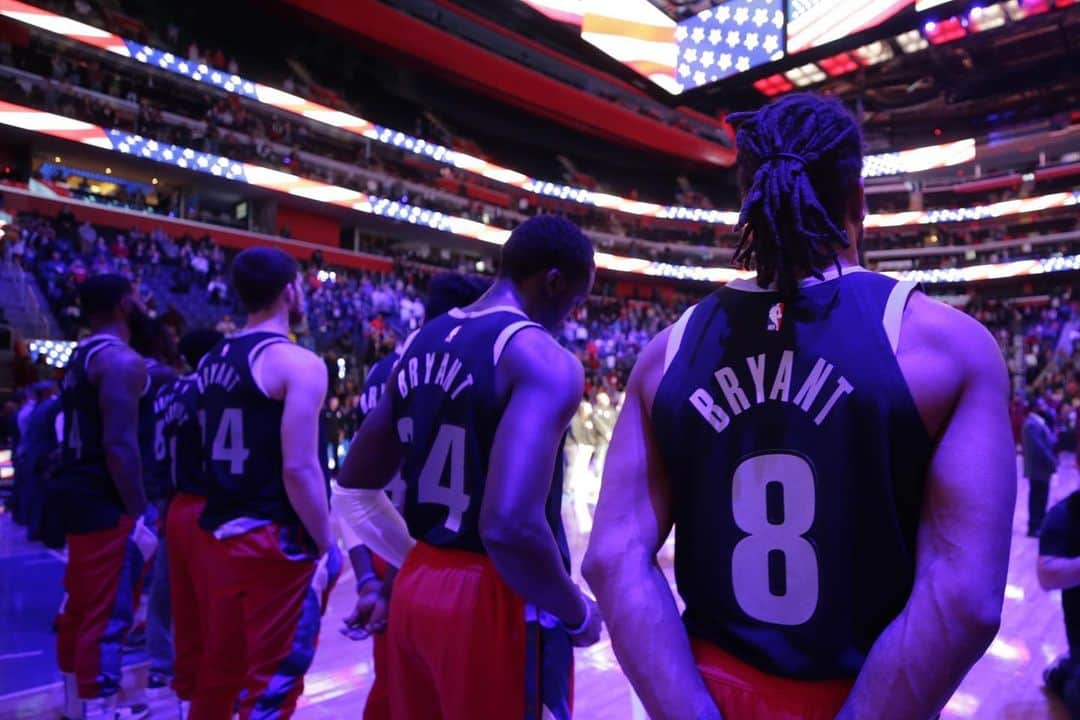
374, 387
1060, 538
375, 383
177, 412
156, 479
242, 440
446, 409
797, 459
83, 477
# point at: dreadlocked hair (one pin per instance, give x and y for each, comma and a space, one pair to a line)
799, 158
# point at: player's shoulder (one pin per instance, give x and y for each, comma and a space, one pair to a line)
651, 364
119, 359
532, 357
534, 348
293, 357
936, 327
285, 367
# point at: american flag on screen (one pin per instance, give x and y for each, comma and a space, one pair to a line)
728, 39
815, 22
637, 34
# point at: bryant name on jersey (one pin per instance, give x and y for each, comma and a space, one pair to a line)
766, 377
436, 368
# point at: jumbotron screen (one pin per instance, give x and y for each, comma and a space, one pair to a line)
724, 40
812, 23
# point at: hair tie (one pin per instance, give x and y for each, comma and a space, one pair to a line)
785, 156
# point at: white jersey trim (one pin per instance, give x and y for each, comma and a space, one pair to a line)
750, 284
507, 334
112, 341
675, 338
253, 357
894, 311
460, 314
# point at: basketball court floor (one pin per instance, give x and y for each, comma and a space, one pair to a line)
1006, 683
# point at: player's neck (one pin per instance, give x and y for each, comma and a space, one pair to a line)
275, 322
847, 258
117, 330
502, 293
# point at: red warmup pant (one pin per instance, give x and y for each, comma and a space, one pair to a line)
459, 646
101, 581
187, 547
377, 706
741, 691
262, 625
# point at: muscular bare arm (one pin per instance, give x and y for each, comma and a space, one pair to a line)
121, 379
633, 518
546, 385
965, 530
300, 378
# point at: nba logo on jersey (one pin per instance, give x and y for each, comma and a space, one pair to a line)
776, 317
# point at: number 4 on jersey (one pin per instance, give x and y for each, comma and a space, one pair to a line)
229, 441
448, 449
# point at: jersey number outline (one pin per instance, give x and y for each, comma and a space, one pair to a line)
448, 449
769, 544
159, 441
229, 441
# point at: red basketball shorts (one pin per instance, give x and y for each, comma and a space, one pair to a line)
741, 691
459, 646
101, 582
261, 627
187, 547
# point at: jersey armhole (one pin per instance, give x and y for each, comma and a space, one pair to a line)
253, 357
404, 347
894, 311
675, 338
95, 350
506, 335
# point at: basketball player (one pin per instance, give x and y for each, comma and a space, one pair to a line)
833, 449
475, 417
445, 292
176, 413
157, 345
100, 486
266, 504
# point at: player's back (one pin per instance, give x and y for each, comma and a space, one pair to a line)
241, 444
447, 409
83, 475
797, 456
375, 383
151, 438
176, 410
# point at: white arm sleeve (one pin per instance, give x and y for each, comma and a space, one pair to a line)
348, 536
370, 515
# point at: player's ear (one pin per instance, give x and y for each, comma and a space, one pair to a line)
856, 203
554, 282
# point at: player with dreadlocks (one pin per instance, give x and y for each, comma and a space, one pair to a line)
833, 449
